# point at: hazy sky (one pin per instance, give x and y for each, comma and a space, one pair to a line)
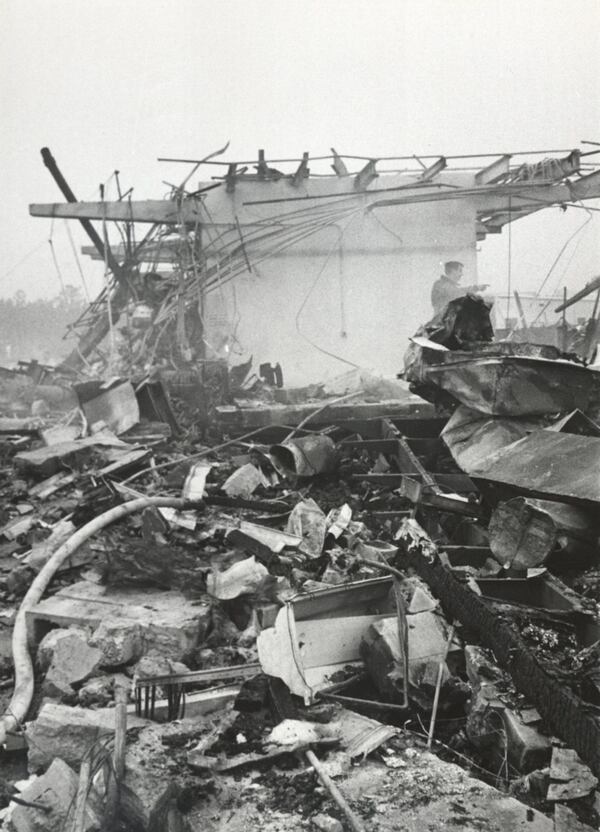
113, 84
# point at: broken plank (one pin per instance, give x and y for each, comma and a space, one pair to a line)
147, 210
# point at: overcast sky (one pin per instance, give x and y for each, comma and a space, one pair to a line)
113, 84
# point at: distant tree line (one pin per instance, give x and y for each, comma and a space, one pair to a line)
35, 328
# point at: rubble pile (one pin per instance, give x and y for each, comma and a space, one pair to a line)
345, 622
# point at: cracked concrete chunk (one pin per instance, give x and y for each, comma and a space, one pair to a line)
148, 794
56, 790
73, 661
119, 640
68, 733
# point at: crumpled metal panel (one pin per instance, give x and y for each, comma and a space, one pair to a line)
516, 386
472, 437
559, 466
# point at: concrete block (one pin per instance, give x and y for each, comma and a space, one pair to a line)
56, 790
73, 661
127, 622
48, 645
148, 793
68, 733
119, 641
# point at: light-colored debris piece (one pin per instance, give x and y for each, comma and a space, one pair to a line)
325, 823
195, 482
243, 578
245, 481
308, 522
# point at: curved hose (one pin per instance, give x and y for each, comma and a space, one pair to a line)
23, 692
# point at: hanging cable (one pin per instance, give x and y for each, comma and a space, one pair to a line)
76, 256
107, 281
55, 259
555, 263
509, 265
337, 243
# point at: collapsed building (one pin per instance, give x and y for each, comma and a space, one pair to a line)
363, 604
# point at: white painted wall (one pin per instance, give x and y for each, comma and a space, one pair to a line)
356, 290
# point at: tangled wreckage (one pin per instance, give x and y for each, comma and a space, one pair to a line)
367, 604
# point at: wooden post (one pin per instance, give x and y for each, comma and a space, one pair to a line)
85, 771
401, 611
438, 686
564, 320
50, 163
112, 800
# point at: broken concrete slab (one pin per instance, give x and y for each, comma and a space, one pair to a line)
148, 791
51, 641
570, 778
69, 733
55, 793
130, 621
42, 463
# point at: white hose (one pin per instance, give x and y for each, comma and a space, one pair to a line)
23, 692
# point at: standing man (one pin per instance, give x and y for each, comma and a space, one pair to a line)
447, 287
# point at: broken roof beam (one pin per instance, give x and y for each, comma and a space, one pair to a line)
525, 200
490, 199
494, 171
432, 171
163, 211
364, 177
590, 287
151, 253
494, 222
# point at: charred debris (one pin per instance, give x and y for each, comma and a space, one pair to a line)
360, 605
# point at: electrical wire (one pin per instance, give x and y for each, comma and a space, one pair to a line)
77, 261
341, 233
